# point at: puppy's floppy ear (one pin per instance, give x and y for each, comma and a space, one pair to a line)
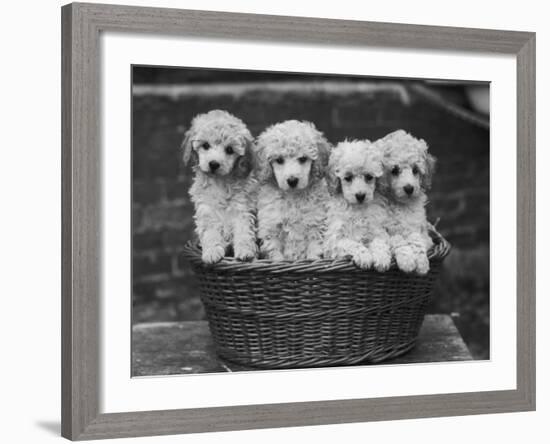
375, 157
319, 167
382, 184
333, 181
261, 164
429, 167
187, 146
244, 163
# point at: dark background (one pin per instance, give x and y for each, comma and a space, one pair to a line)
164, 101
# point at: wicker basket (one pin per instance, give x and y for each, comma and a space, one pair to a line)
312, 313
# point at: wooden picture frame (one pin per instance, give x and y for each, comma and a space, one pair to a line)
81, 26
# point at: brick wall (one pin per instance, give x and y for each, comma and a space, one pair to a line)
163, 286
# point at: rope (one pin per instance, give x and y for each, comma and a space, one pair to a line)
450, 107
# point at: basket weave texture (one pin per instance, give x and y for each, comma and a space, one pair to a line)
312, 313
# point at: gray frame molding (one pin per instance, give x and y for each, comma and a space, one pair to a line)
81, 26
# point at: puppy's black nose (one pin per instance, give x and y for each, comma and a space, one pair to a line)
360, 197
213, 165
409, 189
292, 182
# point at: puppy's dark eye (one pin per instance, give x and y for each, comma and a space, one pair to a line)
368, 177
229, 149
348, 178
415, 170
206, 145
395, 170
302, 159
280, 160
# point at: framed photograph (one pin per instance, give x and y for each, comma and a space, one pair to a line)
278, 221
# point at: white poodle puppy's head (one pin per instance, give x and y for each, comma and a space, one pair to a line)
219, 143
353, 170
408, 167
293, 154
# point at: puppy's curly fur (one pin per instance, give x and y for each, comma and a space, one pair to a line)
291, 161
408, 169
220, 145
356, 213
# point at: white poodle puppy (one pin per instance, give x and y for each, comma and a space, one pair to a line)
357, 215
292, 196
220, 144
408, 169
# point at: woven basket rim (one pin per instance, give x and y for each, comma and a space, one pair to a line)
192, 252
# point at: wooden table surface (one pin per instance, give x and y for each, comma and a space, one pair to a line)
171, 348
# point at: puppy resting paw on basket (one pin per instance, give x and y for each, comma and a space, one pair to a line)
285, 310
219, 144
408, 169
357, 215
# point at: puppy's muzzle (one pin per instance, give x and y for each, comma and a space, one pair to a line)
409, 189
213, 165
292, 182
360, 197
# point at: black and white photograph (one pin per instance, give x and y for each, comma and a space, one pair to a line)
288, 220
274, 222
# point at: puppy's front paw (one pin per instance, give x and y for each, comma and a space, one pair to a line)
314, 257
422, 264
363, 259
213, 254
245, 252
381, 260
314, 252
405, 260
275, 256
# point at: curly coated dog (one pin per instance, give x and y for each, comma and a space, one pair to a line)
357, 215
292, 196
408, 169
220, 145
